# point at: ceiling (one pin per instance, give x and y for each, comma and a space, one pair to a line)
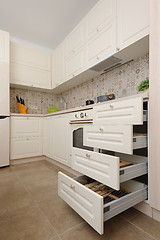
42, 22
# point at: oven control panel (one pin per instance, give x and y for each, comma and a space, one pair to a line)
82, 115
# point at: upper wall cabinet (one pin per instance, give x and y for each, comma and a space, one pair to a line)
101, 31
4, 46
61, 56
132, 21
30, 66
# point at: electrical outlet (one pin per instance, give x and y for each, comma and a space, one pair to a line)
34, 107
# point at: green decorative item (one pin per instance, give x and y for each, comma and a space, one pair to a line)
143, 85
52, 109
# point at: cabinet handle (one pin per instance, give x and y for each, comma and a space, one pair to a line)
73, 75
72, 187
101, 129
118, 49
111, 106
87, 155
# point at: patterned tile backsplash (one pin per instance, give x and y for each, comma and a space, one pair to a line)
122, 81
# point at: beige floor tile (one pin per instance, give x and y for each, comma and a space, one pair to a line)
5, 172
13, 195
41, 191
117, 228
26, 224
142, 221
61, 216
81, 232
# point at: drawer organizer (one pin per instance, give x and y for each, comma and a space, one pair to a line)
95, 202
103, 152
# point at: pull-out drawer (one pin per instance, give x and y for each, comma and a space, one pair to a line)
118, 138
107, 169
119, 112
96, 202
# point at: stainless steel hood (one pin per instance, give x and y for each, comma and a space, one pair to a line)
138, 49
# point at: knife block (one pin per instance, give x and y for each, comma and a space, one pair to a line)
22, 109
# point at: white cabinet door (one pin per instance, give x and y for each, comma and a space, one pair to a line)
118, 138
61, 56
48, 136
26, 137
4, 141
61, 139
4, 46
54, 70
75, 64
29, 76
119, 112
132, 21
76, 39
30, 66
4, 73
102, 45
103, 13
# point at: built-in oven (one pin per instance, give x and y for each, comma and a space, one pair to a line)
77, 122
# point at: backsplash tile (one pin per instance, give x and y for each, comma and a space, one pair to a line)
122, 81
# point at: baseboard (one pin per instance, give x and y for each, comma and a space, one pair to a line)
27, 160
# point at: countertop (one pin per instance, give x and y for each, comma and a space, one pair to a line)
145, 95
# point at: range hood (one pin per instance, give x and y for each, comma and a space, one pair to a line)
117, 59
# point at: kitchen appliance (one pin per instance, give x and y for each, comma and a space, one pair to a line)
4, 113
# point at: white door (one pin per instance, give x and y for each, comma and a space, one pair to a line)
61, 139
118, 138
4, 141
132, 21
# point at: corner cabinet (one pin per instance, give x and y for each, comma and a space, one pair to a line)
132, 21
26, 137
30, 66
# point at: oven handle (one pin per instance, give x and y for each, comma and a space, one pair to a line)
81, 122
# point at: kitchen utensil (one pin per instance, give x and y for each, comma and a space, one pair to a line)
105, 97
88, 102
52, 109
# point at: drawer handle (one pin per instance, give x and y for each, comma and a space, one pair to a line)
87, 155
101, 129
72, 187
111, 106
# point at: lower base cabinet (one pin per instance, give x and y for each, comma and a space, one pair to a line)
26, 137
95, 202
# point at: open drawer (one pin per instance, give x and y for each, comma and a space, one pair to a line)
118, 138
109, 170
119, 112
95, 202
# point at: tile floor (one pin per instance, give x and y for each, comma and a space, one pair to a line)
30, 209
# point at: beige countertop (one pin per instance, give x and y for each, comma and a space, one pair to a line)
145, 95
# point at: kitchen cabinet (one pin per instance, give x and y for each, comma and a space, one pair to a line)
61, 139
61, 56
104, 154
132, 21
54, 70
30, 66
4, 46
48, 136
101, 31
26, 137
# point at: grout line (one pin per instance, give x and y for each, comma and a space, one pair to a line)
138, 227
71, 228
46, 219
